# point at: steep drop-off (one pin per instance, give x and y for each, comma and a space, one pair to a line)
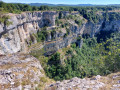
17, 36
14, 37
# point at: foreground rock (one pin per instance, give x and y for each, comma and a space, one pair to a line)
19, 72
110, 82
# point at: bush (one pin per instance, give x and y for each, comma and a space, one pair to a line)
79, 22
4, 20
73, 45
41, 35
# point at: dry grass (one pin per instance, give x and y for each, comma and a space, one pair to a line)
52, 88
6, 86
0, 86
109, 81
44, 81
25, 82
10, 65
17, 83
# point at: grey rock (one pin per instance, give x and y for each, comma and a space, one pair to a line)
78, 84
116, 85
19, 71
13, 38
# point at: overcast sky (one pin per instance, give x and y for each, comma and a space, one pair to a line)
66, 1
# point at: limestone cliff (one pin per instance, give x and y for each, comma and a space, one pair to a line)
16, 37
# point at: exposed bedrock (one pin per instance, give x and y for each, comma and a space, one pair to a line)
18, 72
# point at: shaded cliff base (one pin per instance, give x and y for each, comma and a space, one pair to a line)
110, 82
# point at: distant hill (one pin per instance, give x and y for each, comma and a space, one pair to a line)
114, 4
47, 4
77, 5
40, 4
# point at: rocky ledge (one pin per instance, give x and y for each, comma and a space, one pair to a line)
19, 72
110, 82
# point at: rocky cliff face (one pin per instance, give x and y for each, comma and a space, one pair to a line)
102, 25
15, 38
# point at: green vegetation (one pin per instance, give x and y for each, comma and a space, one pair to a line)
79, 22
41, 35
16, 8
112, 16
99, 55
92, 59
4, 20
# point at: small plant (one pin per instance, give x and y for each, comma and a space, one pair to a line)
4, 19
73, 45
69, 51
79, 22
79, 37
41, 35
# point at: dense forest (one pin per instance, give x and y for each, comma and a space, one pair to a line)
98, 55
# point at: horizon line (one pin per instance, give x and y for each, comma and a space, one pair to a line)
61, 3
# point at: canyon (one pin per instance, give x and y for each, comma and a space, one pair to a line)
17, 36
19, 70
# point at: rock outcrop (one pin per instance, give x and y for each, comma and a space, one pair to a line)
110, 82
18, 72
